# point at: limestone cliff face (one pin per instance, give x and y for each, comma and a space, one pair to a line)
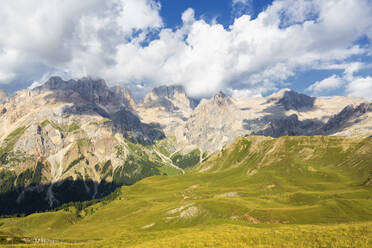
169, 106
169, 97
213, 124
167, 111
75, 131
216, 122
352, 121
291, 100
123, 96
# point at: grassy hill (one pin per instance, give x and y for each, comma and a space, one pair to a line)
259, 192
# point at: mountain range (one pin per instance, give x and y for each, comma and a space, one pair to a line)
81, 139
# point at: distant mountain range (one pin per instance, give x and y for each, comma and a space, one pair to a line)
80, 139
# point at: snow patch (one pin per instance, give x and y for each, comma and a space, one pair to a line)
148, 226
177, 210
186, 211
229, 194
190, 212
206, 169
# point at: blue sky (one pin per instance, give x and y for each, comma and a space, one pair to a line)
244, 47
207, 9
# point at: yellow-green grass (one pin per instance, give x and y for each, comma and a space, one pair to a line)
259, 192
356, 235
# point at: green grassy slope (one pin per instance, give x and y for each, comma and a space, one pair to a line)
259, 192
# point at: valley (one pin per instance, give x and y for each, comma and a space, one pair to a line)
259, 191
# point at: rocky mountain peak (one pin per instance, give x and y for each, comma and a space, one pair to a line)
95, 84
92, 90
290, 99
88, 83
54, 83
221, 99
351, 113
169, 97
168, 91
121, 90
220, 94
123, 95
280, 93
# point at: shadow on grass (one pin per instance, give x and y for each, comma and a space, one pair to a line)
23, 201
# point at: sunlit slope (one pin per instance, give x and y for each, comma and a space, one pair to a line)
264, 184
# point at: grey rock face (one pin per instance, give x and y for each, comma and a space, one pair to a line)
73, 138
41, 141
55, 83
292, 100
349, 115
221, 99
168, 91
213, 123
167, 105
286, 126
124, 96
172, 98
292, 126
95, 91
94, 97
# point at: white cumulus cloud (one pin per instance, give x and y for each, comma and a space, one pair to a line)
328, 84
112, 39
360, 87
69, 35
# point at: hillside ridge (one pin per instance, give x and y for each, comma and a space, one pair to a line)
310, 188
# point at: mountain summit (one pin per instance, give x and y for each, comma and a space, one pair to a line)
292, 100
221, 99
168, 97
